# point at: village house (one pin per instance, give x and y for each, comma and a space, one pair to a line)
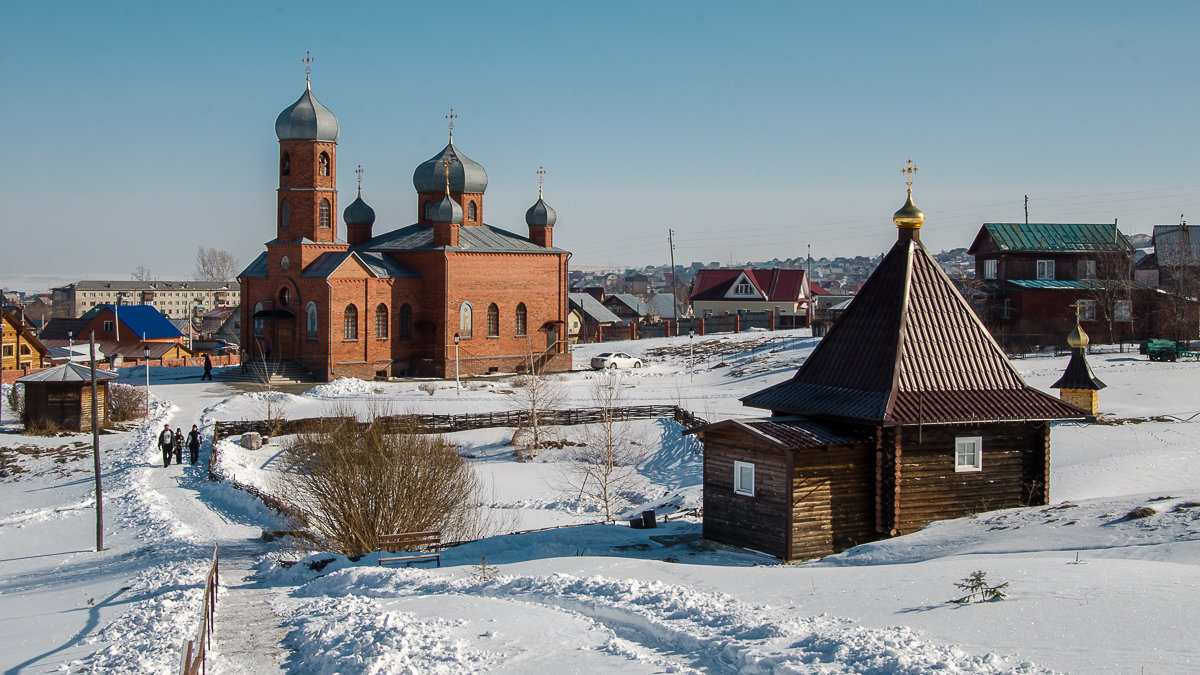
20, 351
1030, 276
121, 332
447, 294
907, 412
628, 307
588, 318
784, 293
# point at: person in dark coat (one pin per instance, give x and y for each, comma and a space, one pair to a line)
166, 441
178, 445
207, 369
193, 443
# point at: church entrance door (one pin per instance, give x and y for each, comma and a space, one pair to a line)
284, 340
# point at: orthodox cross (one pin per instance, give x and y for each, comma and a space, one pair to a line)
359, 172
307, 61
452, 117
541, 174
446, 162
910, 170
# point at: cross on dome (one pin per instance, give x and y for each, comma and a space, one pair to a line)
359, 173
307, 61
910, 170
541, 172
452, 117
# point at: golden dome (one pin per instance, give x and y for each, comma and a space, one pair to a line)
909, 216
1077, 339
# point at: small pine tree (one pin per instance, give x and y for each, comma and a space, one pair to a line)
484, 571
976, 586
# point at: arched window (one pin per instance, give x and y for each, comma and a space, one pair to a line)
284, 296
471, 211
323, 164
285, 165
258, 322
522, 319
464, 320
310, 322
285, 216
493, 326
323, 213
381, 321
404, 322
350, 323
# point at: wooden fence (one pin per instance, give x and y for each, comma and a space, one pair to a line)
438, 424
196, 650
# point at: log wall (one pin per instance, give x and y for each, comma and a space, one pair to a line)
758, 522
1015, 471
833, 500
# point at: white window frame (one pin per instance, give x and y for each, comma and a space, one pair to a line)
741, 478
1087, 310
1045, 270
968, 462
989, 269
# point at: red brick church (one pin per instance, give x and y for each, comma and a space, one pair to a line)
396, 303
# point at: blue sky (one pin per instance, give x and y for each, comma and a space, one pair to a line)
138, 132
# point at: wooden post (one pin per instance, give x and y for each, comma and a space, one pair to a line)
96, 449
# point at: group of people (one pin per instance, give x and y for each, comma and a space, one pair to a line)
171, 443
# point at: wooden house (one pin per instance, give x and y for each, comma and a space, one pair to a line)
61, 397
19, 349
784, 292
907, 412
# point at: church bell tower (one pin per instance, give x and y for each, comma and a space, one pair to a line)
307, 203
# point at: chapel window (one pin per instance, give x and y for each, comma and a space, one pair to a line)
471, 211
381, 322
404, 322
323, 164
522, 319
285, 165
323, 217
350, 323
493, 320
285, 216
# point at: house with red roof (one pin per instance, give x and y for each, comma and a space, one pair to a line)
784, 292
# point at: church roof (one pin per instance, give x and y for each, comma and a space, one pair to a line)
1078, 374
789, 433
380, 265
307, 120
473, 238
257, 267
909, 350
466, 175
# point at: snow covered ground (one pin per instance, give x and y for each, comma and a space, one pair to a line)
1089, 589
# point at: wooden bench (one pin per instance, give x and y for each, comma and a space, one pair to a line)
409, 543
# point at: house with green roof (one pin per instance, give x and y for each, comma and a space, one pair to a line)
1030, 277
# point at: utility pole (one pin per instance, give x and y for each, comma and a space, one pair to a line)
808, 291
96, 448
1026, 209
674, 283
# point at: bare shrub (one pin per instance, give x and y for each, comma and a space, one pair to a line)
1140, 512
428, 387
604, 466
270, 403
355, 482
126, 402
536, 393
16, 401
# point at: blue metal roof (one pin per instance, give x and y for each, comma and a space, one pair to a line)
257, 268
146, 321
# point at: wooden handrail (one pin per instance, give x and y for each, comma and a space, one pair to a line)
195, 651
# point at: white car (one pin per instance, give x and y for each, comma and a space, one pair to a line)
615, 360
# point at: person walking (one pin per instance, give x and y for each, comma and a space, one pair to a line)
193, 443
166, 441
178, 445
207, 369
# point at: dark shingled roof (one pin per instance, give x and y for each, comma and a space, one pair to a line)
909, 350
471, 238
1078, 374
380, 265
67, 372
789, 433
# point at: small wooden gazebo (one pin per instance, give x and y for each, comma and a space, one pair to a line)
61, 397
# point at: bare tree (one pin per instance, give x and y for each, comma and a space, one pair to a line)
604, 466
535, 392
140, 273
214, 265
354, 482
270, 402
1111, 290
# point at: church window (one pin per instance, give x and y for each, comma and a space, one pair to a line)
381, 322
323, 213
404, 322
464, 320
284, 296
285, 215
493, 319
323, 164
350, 323
471, 211
522, 319
310, 320
285, 165
258, 322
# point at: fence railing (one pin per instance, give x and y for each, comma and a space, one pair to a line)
196, 651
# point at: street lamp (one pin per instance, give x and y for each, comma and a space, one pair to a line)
457, 381
691, 363
71, 345
146, 353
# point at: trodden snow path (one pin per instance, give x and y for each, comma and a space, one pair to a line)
247, 635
